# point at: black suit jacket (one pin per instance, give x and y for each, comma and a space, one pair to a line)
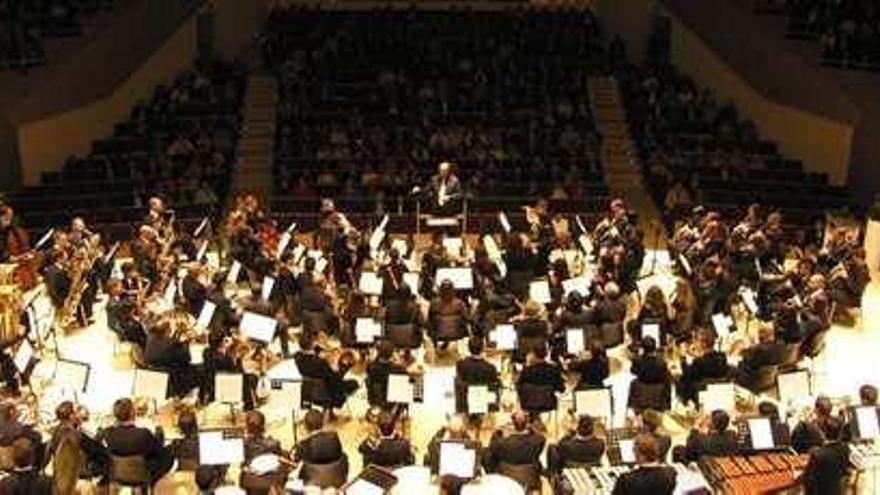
322, 447
572, 449
826, 470
517, 448
646, 480
710, 365
194, 293
543, 373
650, 369
125, 440
387, 452
476, 371
162, 351
26, 483
453, 195
377, 380
57, 284
711, 444
258, 445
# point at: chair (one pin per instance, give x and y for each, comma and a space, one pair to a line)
791, 354
814, 345
656, 396
760, 380
313, 321
332, 475
448, 328
536, 398
611, 334
403, 336
314, 391
130, 471
527, 475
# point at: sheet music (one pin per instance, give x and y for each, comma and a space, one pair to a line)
321, 265
412, 280
457, 460
478, 399
72, 374
218, 449
266, 287
400, 389
627, 453
762, 433
453, 245
288, 392
505, 223
461, 278
539, 290
228, 388
574, 340
722, 324
258, 327
150, 384
376, 238
586, 245
401, 246
196, 353
202, 250
234, 270
23, 356
866, 420
595, 403
491, 246
504, 337
651, 330
718, 396
206, 315
366, 330
170, 292
794, 387
371, 283
282, 244
298, 251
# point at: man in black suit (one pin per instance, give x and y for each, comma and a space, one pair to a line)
312, 366
649, 367
474, 369
650, 476
716, 441
377, 374
257, 442
581, 446
766, 352
320, 446
454, 431
11, 430
389, 450
828, 466
810, 432
539, 371
167, 353
519, 446
711, 364
445, 191
97, 460
56, 278
127, 439
26, 478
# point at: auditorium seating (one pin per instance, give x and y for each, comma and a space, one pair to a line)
23, 25
847, 30
685, 135
367, 114
179, 145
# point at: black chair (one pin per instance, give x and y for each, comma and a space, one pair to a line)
527, 475
791, 354
332, 475
403, 336
130, 471
759, 380
656, 396
814, 345
314, 392
537, 398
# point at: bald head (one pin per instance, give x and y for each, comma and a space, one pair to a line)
457, 427
444, 169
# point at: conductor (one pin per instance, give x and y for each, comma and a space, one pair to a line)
445, 191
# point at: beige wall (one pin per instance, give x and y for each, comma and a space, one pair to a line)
630, 19
821, 143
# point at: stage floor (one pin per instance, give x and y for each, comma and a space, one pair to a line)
849, 361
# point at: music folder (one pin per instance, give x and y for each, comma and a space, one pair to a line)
371, 283
234, 270
761, 433
596, 403
480, 398
266, 287
718, 396
504, 336
457, 459
288, 391
453, 245
794, 386
867, 422
651, 330
574, 340
400, 389
23, 356
366, 330
258, 327
627, 452
580, 284
373, 480
722, 324
221, 447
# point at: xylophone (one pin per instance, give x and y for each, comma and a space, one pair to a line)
601, 480
754, 474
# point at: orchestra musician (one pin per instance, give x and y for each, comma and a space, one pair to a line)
388, 448
579, 447
650, 475
166, 350
26, 477
257, 442
14, 240
57, 280
321, 445
70, 418
519, 446
13, 429
712, 438
125, 438
312, 365
145, 251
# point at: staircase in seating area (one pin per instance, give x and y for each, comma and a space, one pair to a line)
620, 159
256, 145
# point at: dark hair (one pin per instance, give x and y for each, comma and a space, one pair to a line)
540, 352
651, 420
255, 423
833, 428
64, 410
720, 420
649, 345
868, 395
451, 484
475, 345
207, 477
23, 454
123, 409
768, 409
386, 423
313, 420
306, 340
187, 423
384, 350
585, 426
645, 446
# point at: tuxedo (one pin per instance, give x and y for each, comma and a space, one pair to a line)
574, 449
654, 480
451, 189
128, 440
517, 448
827, 470
388, 452
476, 371
29, 482
322, 447
711, 444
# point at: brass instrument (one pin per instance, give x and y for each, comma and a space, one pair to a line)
79, 265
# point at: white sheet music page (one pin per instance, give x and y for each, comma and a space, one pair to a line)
574, 340
206, 315
504, 337
400, 390
258, 327
366, 330
266, 287
478, 399
216, 450
461, 278
150, 384
794, 387
371, 283
412, 280
718, 396
651, 330
539, 290
866, 420
228, 388
23, 355
627, 453
594, 402
457, 460
762, 433
234, 270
